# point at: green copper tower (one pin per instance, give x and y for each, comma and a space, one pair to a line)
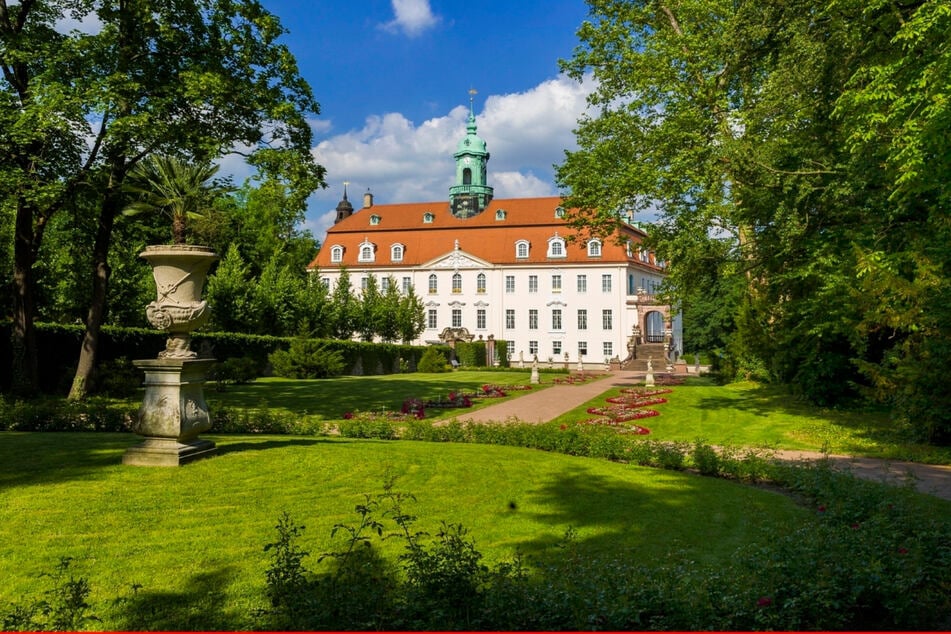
471, 194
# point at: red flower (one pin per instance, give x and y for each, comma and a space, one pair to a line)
563, 427
822, 508
348, 415
902, 551
856, 526
764, 602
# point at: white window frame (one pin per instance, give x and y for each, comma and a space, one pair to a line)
522, 249
396, 252
556, 248
433, 282
367, 252
336, 254
594, 248
480, 283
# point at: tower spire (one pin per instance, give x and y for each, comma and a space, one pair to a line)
471, 193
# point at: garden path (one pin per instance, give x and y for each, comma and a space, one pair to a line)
547, 404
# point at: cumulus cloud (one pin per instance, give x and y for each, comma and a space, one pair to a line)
412, 17
400, 161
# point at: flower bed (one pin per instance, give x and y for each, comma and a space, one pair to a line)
636, 401
573, 379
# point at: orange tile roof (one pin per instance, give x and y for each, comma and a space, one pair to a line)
482, 236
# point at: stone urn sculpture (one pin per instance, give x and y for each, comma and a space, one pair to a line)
173, 411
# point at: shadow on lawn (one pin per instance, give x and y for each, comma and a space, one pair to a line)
225, 447
198, 605
662, 517
864, 423
28, 458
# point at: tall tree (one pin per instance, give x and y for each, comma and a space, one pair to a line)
195, 78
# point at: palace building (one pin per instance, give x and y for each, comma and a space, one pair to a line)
504, 269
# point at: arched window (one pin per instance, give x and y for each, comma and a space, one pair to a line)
456, 282
500, 214
559, 212
374, 219
480, 283
396, 253
556, 247
433, 286
467, 176
428, 217
336, 253
594, 248
521, 249
366, 252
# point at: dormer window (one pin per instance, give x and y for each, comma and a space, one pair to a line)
594, 248
521, 249
374, 219
556, 247
428, 217
367, 252
559, 212
501, 214
336, 253
396, 252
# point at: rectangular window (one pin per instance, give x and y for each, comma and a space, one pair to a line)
480, 319
364, 282
533, 319
385, 284
607, 319
325, 281
582, 319
582, 348
431, 318
556, 319
457, 318
510, 318
582, 283
608, 349
407, 283
509, 283
606, 283
533, 347
532, 283
555, 283
556, 348
433, 284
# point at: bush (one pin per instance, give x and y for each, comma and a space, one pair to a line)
432, 361
307, 359
238, 370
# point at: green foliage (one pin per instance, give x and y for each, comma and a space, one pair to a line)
63, 608
433, 360
50, 415
307, 359
794, 154
236, 370
471, 353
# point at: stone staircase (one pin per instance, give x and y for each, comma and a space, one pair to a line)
644, 352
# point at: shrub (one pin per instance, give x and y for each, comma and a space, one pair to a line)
238, 370
432, 361
307, 359
705, 459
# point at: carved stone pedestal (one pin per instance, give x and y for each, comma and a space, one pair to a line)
173, 413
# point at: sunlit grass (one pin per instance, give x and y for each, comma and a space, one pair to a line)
756, 415
195, 535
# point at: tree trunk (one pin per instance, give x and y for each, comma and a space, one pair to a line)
25, 377
88, 353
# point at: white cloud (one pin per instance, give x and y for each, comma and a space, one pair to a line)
412, 17
526, 134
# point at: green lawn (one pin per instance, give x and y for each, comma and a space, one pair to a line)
739, 414
193, 537
330, 399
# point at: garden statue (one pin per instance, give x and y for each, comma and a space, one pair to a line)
534, 378
649, 379
173, 411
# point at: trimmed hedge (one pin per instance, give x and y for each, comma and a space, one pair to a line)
58, 347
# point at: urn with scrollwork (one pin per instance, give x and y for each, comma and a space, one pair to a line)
173, 411
180, 271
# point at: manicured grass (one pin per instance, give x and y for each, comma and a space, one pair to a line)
330, 399
193, 537
755, 415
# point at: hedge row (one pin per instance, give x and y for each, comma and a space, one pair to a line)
58, 347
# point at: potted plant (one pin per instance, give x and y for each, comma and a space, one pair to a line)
173, 411
180, 190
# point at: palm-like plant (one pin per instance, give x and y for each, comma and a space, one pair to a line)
168, 185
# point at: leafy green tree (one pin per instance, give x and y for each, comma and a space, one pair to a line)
192, 78
275, 300
345, 307
230, 293
412, 316
370, 309
316, 310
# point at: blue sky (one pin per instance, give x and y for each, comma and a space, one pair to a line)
392, 78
